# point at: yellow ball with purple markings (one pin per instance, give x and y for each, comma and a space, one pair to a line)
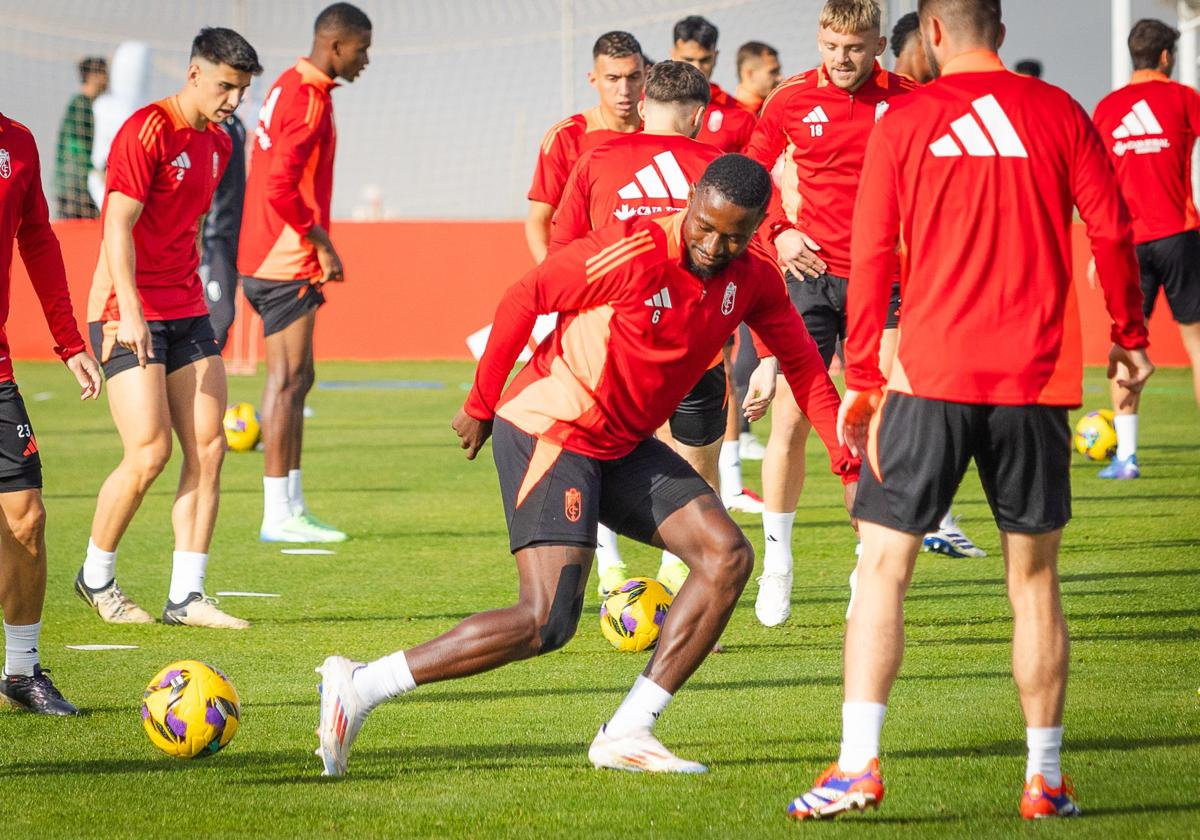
242, 427
1096, 436
190, 709
632, 616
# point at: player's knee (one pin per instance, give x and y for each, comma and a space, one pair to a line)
731, 560
150, 460
212, 452
28, 526
560, 625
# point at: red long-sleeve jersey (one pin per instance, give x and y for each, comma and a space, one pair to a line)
727, 124
290, 185
635, 332
25, 218
644, 174
1149, 128
561, 147
824, 129
977, 178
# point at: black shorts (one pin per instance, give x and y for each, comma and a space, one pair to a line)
176, 343
701, 417
281, 303
920, 448
20, 463
555, 497
821, 302
1172, 264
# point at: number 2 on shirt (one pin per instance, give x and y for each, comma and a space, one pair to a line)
264, 118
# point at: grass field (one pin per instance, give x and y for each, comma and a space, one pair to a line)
504, 754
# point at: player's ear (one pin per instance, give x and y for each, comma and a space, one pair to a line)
698, 115
592, 78
1000, 36
641, 109
193, 73
881, 46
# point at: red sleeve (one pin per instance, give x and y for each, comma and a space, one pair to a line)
876, 227
553, 166
136, 153
773, 318
559, 284
1191, 108
1094, 188
766, 144
293, 147
572, 219
44, 263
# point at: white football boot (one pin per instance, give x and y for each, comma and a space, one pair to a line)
342, 713
774, 602
638, 752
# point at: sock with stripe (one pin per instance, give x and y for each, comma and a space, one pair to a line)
639, 710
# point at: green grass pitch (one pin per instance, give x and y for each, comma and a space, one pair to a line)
504, 754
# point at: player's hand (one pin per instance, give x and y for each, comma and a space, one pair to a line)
87, 374
799, 254
854, 417
134, 334
1136, 363
331, 265
472, 433
761, 389
1092, 277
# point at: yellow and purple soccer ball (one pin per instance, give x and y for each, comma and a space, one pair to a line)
632, 616
242, 427
190, 709
1096, 436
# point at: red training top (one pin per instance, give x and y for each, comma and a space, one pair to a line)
1150, 128
643, 174
727, 123
24, 217
636, 330
158, 159
561, 147
290, 185
825, 131
978, 178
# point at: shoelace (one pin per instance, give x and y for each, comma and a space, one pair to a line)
43, 681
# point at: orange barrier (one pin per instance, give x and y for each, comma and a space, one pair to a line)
416, 290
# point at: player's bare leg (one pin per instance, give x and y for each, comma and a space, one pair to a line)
673, 571
1040, 644
1190, 333
1125, 419
783, 470
137, 399
731, 484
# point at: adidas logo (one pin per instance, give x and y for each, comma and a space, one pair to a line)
667, 181
971, 137
183, 163
1139, 122
661, 300
817, 115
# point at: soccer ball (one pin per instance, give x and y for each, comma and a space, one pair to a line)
631, 617
242, 427
1096, 436
190, 709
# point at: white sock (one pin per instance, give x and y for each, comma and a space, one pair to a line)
1126, 425
276, 507
639, 710
861, 725
1044, 744
607, 553
384, 679
729, 466
295, 491
99, 566
947, 521
777, 528
21, 648
187, 575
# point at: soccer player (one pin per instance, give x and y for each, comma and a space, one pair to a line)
1007, 158
25, 217
150, 328
759, 73
222, 226
909, 50
1150, 128
644, 307
727, 125
285, 255
822, 119
618, 74
650, 173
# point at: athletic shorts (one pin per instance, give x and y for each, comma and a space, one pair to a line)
556, 497
701, 417
821, 302
1173, 265
20, 463
919, 450
177, 343
280, 303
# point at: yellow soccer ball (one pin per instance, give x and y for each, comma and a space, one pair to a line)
190, 709
1096, 436
632, 616
242, 427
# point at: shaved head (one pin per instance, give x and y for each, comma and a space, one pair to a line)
966, 20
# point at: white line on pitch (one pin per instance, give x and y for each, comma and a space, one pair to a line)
248, 594
102, 647
306, 551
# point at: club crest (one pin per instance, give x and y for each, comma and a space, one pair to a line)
727, 301
573, 504
5, 164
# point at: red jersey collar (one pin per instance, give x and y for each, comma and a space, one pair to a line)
1142, 76
752, 102
879, 78
313, 75
973, 61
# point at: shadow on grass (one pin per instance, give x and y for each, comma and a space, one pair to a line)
1070, 745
